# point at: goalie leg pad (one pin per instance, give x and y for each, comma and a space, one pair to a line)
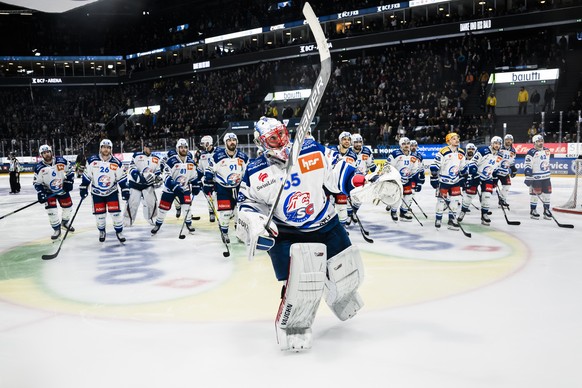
303, 292
345, 273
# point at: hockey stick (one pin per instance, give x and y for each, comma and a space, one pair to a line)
364, 232
27, 206
503, 208
312, 103
467, 234
182, 236
411, 212
422, 211
54, 255
568, 226
211, 204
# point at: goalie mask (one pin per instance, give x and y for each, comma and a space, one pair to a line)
272, 137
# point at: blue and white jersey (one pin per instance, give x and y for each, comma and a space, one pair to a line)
181, 171
303, 203
406, 164
508, 155
365, 160
141, 169
104, 175
225, 170
420, 159
49, 178
485, 162
204, 159
448, 164
539, 163
349, 155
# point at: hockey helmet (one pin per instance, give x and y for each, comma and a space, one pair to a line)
357, 138
44, 148
403, 141
181, 143
106, 143
413, 143
344, 134
206, 141
272, 136
508, 137
230, 136
537, 138
471, 146
450, 136
496, 139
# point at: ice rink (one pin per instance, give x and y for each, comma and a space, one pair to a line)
502, 309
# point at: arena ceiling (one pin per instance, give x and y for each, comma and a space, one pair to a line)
52, 6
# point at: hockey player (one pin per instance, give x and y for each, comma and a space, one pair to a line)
364, 158
143, 171
419, 174
53, 180
507, 169
223, 175
182, 180
537, 177
346, 153
310, 250
484, 166
206, 143
105, 173
403, 161
446, 171
468, 184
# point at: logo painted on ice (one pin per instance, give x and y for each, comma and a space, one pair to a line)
56, 184
104, 181
298, 207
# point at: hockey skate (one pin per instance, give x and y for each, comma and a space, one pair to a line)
120, 237
102, 235
394, 216
503, 203
485, 220
534, 215
211, 217
461, 215
65, 225
547, 214
452, 224
405, 217
225, 238
437, 223
295, 339
56, 234
190, 228
178, 212
156, 229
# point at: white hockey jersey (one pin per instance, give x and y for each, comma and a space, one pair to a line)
486, 162
204, 159
508, 155
365, 160
538, 162
50, 177
449, 164
303, 203
406, 165
181, 172
141, 168
104, 175
225, 170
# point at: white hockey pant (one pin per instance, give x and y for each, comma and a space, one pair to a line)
303, 292
505, 191
467, 199
224, 217
53, 215
533, 199
485, 201
162, 214
345, 274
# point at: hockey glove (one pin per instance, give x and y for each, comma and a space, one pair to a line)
149, 178
83, 192
251, 230
208, 188
513, 171
434, 182
528, 171
68, 182
125, 194
42, 197
418, 187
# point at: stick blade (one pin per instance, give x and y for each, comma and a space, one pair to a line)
226, 254
49, 257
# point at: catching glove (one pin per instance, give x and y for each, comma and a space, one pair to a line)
251, 230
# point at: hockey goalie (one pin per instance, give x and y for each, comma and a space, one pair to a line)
310, 250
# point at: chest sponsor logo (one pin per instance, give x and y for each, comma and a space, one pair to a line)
263, 176
310, 163
113, 167
60, 167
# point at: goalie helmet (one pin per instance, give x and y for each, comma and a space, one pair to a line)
272, 137
357, 138
181, 143
44, 148
343, 135
496, 139
230, 136
106, 143
206, 141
